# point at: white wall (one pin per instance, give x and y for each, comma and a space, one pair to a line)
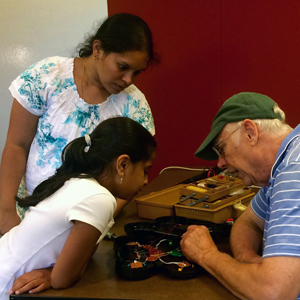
31, 30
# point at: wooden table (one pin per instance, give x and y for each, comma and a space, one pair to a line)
101, 281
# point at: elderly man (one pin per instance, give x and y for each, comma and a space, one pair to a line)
249, 137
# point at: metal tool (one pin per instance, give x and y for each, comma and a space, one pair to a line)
187, 197
198, 201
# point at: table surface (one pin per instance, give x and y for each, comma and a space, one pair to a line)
101, 281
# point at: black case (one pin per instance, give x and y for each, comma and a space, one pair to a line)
164, 234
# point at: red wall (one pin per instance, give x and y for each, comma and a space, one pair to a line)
210, 50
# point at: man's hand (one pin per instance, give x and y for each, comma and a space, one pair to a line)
8, 220
32, 282
195, 242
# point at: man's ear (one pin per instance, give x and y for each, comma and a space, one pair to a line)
251, 129
122, 164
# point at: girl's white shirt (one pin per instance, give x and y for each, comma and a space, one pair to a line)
38, 240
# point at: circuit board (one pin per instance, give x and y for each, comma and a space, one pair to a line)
151, 247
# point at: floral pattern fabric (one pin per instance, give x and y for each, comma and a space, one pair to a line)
47, 89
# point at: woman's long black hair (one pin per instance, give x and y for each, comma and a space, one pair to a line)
109, 140
120, 33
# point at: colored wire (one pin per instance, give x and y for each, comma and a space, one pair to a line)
166, 233
183, 168
211, 171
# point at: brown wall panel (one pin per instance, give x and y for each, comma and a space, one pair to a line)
260, 51
210, 50
184, 91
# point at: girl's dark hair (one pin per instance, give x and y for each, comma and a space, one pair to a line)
121, 33
109, 140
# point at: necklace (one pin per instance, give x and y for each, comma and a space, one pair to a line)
82, 77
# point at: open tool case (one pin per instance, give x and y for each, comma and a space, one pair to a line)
152, 247
214, 199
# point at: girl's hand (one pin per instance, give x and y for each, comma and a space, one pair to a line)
32, 282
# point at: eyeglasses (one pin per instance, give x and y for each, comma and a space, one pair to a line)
220, 152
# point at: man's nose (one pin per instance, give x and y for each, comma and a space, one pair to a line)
222, 163
146, 180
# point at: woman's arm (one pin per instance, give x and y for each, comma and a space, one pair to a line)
76, 253
21, 131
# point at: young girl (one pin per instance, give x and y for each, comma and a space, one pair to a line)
61, 232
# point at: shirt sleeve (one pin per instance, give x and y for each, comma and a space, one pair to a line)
30, 88
259, 203
96, 210
282, 237
138, 109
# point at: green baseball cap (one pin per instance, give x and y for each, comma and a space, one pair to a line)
239, 107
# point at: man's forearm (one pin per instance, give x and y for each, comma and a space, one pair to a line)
244, 280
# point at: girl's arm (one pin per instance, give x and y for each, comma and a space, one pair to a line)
78, 249
76, 253
32, 282
22, 129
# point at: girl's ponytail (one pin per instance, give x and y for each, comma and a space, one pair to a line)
87, 157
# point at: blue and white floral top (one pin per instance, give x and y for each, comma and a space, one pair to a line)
47, 89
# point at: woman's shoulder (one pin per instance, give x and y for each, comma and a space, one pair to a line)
47, 68
41, 81
50, 64
134, 92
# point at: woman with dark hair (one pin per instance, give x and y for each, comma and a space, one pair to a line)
59, 99
71, 211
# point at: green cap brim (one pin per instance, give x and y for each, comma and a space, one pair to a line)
205, 151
